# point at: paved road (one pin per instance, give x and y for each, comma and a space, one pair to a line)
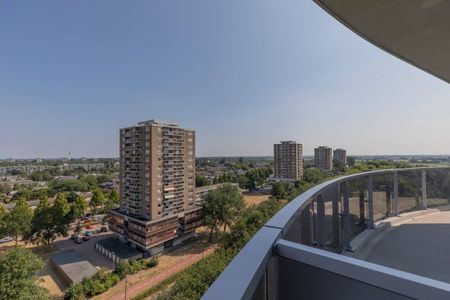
154, 280
420, 246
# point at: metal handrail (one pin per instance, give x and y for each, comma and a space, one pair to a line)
243, 275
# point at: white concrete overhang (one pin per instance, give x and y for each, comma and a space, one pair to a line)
416, 31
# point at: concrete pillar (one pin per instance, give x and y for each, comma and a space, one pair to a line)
320, 221
370, 201
424, 190
346, 217
335, 208
395, 193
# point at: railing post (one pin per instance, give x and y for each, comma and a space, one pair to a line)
320, 221
346, 216
370, 201
395, 192
424, 190
335, 208
271, 279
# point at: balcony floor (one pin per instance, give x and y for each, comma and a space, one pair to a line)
420, 245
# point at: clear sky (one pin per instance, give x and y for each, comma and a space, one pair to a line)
243, 74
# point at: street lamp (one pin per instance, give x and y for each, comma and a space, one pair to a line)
126, 287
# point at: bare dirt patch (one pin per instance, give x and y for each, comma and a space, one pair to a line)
250, 198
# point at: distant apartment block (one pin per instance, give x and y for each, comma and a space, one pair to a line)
288, 160
323, 158
157, 186
340, 155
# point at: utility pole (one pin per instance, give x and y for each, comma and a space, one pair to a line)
126, 287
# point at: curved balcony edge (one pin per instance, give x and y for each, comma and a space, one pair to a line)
251, 274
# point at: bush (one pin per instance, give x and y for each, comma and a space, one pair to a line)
103, 281
70, 185
192, 282
75, 292
153, 262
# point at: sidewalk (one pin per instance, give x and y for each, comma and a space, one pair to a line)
142, 286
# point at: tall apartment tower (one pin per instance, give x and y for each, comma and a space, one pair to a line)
157, 185
323, 158
340, 155
288, 160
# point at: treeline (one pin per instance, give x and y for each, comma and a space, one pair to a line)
234, 163
40, 227
249, 180
377, 165
84, 183
49, 221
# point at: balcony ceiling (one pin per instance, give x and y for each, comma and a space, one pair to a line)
416, 31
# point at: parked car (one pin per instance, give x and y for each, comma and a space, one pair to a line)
88, 233
6, 239
89, 226
74, 236
79, 240
98, 218
103, 229
85, 238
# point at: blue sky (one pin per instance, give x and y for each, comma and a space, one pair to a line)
243, 74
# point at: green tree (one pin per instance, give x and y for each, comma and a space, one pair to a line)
201, 181
314, 175
78, 210
90, 180
5, 188
17, 221
102, 179
71, 197
112, 200
3, 214
62, 204
18, 276
98, 199
279, 190
338, 166
350, 161
48, 223
221, 207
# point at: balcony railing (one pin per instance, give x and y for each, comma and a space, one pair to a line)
299, 253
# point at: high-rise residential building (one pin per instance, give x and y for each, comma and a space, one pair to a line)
323, 158
157, 185
288, 160
340, 155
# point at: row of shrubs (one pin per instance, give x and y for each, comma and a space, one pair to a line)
103, 280
193, 281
